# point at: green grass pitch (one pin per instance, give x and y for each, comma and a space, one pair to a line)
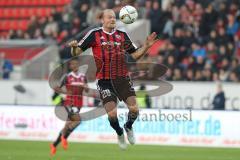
34, 150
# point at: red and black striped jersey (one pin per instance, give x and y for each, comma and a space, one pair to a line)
74, 85
109, 51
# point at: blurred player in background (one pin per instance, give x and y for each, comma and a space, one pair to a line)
73, 85
109, 46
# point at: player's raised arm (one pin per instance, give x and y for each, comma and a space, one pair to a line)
75, 50
86, 42
151, 39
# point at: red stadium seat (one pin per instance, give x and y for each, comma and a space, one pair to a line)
17, 3
23, 25
13, 24
22, 13
26, 12
15, 14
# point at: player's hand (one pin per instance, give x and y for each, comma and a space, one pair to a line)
75, 50
69, 93
151, 39
73, 44
86, 88
58, 89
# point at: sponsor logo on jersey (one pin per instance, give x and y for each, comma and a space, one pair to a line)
118, 36
110, 43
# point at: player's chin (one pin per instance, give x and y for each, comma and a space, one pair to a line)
113, 25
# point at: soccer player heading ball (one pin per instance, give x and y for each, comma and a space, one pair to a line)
110, 46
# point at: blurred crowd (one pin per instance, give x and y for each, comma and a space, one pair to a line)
201, 37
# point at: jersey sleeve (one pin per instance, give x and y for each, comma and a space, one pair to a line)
87, 41
129, 46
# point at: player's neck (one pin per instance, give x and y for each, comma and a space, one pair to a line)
75, 72
109, 30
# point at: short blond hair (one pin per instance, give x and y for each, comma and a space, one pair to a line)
105, 11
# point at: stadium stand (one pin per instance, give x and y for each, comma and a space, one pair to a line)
201, 38
17, 19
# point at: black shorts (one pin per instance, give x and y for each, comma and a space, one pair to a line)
120, 88
71, 110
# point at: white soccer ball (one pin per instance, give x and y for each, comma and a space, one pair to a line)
128, 14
